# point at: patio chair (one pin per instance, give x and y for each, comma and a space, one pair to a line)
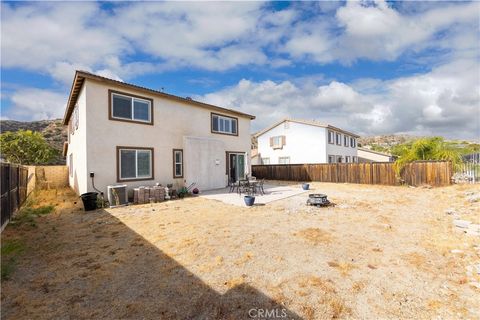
259, 186
243, 187
232, 185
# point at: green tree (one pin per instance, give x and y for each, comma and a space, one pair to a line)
25, 147
435, 148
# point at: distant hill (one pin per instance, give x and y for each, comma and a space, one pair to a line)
386, 141
53, 131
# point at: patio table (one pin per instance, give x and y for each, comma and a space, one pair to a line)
251, 185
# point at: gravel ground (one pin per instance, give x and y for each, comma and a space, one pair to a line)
380, 253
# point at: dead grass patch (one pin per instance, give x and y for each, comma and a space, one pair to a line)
329, 304
358, 286
343, 267
326, 285
315, 236
416, 259
234, 282
244, 259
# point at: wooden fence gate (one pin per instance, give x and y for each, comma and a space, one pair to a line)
14, 180
434, 173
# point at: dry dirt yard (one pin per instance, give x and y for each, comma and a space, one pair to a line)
380, 253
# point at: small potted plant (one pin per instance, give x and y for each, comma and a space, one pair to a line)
305, 186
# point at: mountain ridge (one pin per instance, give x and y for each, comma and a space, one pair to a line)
54, 132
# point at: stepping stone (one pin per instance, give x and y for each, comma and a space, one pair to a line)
472, 233
474, 227
461, 223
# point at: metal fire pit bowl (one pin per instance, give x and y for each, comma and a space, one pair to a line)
317, 199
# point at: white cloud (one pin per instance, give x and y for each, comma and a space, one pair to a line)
56, 38
436, 103
131, 39
36, 104
376, 31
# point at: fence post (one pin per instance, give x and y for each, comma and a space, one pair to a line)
18, 186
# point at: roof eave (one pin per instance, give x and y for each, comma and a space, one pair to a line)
86, 75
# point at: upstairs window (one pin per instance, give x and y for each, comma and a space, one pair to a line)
177, 163
135, 163
338, 138
124, 107
224, 125
277, 142
70, 164
331, 137
75, 118
353, 142
345, 141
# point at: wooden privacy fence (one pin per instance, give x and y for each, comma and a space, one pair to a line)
14, 180
434, 173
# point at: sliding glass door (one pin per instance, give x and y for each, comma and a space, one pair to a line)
236, 165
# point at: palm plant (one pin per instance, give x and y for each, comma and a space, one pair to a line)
435, 148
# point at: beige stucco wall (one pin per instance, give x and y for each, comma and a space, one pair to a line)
77, 147
43, 177
55, 176
172, 122
31, 179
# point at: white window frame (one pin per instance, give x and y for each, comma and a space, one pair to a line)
224, 120
284, 158
339, 158
175, 163
70, 165
266, 160
137, 177
338, 138
346, 140
354, 159
277, 142
331, 157
132, 106
76, 118
347, 159
353, 142
331, 134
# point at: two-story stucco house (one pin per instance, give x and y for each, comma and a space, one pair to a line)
291, 141
127, 134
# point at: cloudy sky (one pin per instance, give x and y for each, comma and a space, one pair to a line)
369, 67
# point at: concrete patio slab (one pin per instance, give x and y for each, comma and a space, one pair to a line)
272, 193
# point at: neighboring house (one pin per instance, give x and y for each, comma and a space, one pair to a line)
302, 141
127, 134
367, 155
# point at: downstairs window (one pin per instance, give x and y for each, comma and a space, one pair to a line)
134, 163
